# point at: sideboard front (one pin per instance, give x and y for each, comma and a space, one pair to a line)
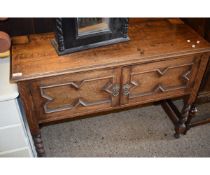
75, 94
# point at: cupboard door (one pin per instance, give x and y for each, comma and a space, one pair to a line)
75, 94
159, 80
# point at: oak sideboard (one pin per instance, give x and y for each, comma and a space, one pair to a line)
164, 59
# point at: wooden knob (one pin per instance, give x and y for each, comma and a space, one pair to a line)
5, 42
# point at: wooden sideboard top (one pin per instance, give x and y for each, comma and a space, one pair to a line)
149, 41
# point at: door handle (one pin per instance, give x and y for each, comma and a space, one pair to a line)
116, 90
126, 88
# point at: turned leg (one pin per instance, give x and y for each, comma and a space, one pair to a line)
39, 145
192, 114
31, 116
191, 99
180, 127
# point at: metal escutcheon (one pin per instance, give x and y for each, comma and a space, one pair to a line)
126, 88
116, 90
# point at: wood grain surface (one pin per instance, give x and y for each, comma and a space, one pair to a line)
150, 41
164, 59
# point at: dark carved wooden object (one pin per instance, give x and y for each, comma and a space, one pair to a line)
156, 64
39, 145
180, 127
68, 40
202, 26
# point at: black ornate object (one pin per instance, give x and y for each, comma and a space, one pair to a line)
75, 34
59, 35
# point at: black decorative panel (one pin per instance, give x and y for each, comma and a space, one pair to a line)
75, 34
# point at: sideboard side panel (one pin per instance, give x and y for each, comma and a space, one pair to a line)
27, 101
